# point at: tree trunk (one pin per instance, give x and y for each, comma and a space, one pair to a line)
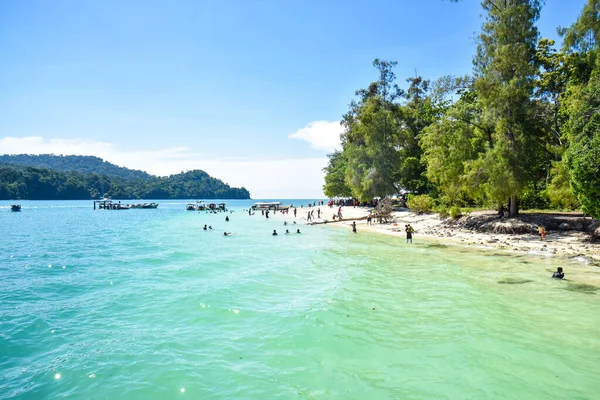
514, 206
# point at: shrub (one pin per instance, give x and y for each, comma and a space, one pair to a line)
420, 204
442, 211
455, 212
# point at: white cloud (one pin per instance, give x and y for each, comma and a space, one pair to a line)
276, 178
322, 135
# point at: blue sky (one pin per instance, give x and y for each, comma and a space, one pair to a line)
233, 87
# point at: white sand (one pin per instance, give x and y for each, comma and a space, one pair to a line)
429, 226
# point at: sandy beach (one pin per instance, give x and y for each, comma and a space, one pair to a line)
569, 244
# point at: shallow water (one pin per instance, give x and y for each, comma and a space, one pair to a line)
144, 303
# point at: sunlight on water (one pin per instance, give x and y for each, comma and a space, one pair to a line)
146, 304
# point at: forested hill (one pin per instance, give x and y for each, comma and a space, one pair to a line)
34, 183
83, 164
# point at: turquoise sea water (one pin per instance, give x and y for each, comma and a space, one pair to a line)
144, 304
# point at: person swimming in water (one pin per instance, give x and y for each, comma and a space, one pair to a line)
227, 233
227, 219
274, 233
205, 228
298, 231
559, 274
287, 231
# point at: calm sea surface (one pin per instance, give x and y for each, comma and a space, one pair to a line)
144, 304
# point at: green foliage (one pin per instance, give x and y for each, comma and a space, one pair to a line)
420, 204
506, 67
584, 35
523, 129
456, 138
335, 176
442, 211
583, 155
44, 184
83, 164
455, 212
372, 161
559, 191
534, 198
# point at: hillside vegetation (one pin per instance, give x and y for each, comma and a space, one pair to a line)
83, 164
83, 181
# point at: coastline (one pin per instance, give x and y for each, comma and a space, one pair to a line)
563, 244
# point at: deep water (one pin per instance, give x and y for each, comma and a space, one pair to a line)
144, 304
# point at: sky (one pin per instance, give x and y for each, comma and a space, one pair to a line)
251, 91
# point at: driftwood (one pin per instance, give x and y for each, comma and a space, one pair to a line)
383, 211
337, 220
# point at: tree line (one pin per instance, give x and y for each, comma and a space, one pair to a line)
522, 130
62, 163
32, 183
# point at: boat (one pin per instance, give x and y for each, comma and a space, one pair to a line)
216, 207
107, 204
15, 207
144, 205
198, 206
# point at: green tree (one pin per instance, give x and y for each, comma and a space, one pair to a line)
581, 105
505, 68
582, 158
335, 176
450, 144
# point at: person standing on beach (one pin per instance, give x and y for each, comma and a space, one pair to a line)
541, 232
354, 226
295, 209
308, 216
409, 231
318, 213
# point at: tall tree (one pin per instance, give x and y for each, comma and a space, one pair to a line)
582, 106
370, 137
451, 144
505, 69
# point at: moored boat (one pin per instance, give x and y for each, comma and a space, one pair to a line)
15, 207
198, 206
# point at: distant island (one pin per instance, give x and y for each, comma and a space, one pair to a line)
52, 177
